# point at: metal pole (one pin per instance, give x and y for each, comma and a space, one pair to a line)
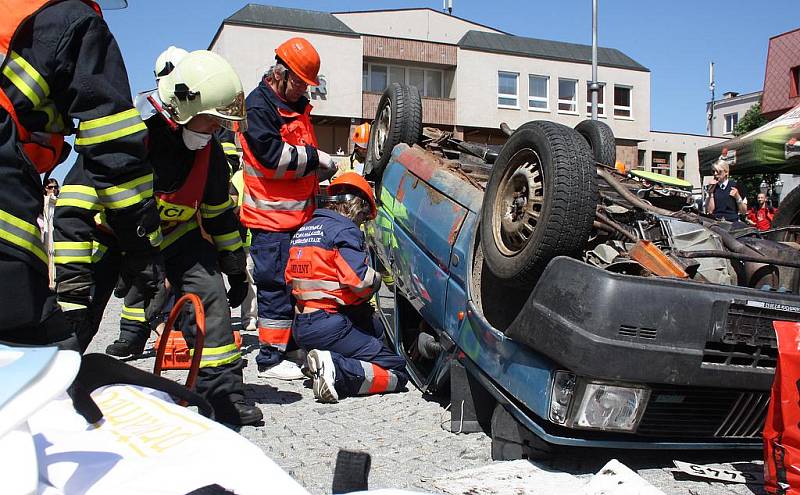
593, 86
711, 86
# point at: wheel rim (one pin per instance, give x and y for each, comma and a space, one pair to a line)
381, 129
519, 202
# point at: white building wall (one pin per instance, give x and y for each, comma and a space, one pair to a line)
251, 50
477, 82
675, 143
738, 104
421, 24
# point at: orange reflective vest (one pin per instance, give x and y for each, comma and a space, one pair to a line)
275, 200
43, 149
181, 205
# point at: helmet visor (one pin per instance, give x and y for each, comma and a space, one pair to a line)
232, 125
233, 115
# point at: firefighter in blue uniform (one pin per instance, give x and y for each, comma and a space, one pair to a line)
332, 282
60, 64
199, 96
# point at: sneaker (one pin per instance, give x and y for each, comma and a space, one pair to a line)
320, 364
237, 413
284, 370
252, 325
122, 348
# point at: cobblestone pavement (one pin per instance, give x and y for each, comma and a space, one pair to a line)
403, 432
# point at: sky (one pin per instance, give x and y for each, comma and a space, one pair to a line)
675, 39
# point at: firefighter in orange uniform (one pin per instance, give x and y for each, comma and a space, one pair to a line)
282, 171
332, 281
60, 64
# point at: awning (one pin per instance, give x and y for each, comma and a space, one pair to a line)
772, 148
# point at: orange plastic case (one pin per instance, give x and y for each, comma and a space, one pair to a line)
177, 355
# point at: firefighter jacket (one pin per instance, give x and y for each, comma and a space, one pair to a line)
279, 150
186, 182
60, 64
328, 264
233, 151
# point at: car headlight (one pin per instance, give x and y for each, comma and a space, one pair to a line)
610, 407
561, 396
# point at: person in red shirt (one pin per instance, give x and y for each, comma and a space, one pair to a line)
761, 214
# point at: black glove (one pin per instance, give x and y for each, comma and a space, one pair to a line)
136, 227
80, 324
145, 272
238, 290
233, 263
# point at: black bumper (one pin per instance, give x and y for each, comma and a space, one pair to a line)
653, 330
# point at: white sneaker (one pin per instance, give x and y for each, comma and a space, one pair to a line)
320, 364
285, 370
252, 325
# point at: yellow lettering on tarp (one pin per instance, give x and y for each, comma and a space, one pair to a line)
143, 423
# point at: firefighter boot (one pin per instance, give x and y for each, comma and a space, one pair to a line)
123, 348
234, 411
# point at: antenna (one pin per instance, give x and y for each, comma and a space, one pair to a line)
450, 7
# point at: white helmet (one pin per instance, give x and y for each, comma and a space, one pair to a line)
204, 83
167, 61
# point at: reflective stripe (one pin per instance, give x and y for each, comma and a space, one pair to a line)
269, 323
211, 211
287, 205
368, 377
21, 233
228, 242
176, 233
229, 149
98, 252
109, 128
217, 356
302, 161
376, 379
82, 197
132, 314
314, 284
55, 123
252, 171
369, 279
67, 306
155, 238
26, 79
127, 194
275, 337
72, 252
284, 160
314, 295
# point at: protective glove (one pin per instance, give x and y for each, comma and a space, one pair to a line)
238, 290
327, 167
80, 324
137, 227
144, 270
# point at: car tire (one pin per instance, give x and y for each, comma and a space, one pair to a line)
397, 120
601, 140
539, 203
511, 440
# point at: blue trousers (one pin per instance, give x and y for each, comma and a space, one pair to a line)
270, 253
364, 364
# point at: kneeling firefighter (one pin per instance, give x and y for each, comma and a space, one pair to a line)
332, 283
199, 96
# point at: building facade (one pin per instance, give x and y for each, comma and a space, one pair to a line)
471, 77
782, 75
729, 110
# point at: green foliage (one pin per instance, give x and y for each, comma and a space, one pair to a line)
751, 120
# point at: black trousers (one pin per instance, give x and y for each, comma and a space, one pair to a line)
29, 313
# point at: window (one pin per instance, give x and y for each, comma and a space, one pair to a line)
795, 78
731, 119
640, 160
681, 166
660, 163
622, 101
377, 77
601, 107
567, 95
538, 92
507, 89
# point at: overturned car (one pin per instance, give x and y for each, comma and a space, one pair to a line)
568, 302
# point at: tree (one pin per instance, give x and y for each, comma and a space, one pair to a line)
751, 121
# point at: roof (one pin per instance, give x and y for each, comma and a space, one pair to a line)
546, 49
410, 9
294, 19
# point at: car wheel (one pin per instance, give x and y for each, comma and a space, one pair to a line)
397, 120
539, 203
601, 140
511, 440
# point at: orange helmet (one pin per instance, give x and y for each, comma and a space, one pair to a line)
361, 135
301, 58
354, 180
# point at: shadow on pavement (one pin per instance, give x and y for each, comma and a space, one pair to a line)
267, 394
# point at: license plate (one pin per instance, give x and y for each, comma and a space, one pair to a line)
773, 306
728, 475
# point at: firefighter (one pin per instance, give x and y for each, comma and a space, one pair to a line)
360, 143
282, 171
60, 66
200, 95
332, 282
